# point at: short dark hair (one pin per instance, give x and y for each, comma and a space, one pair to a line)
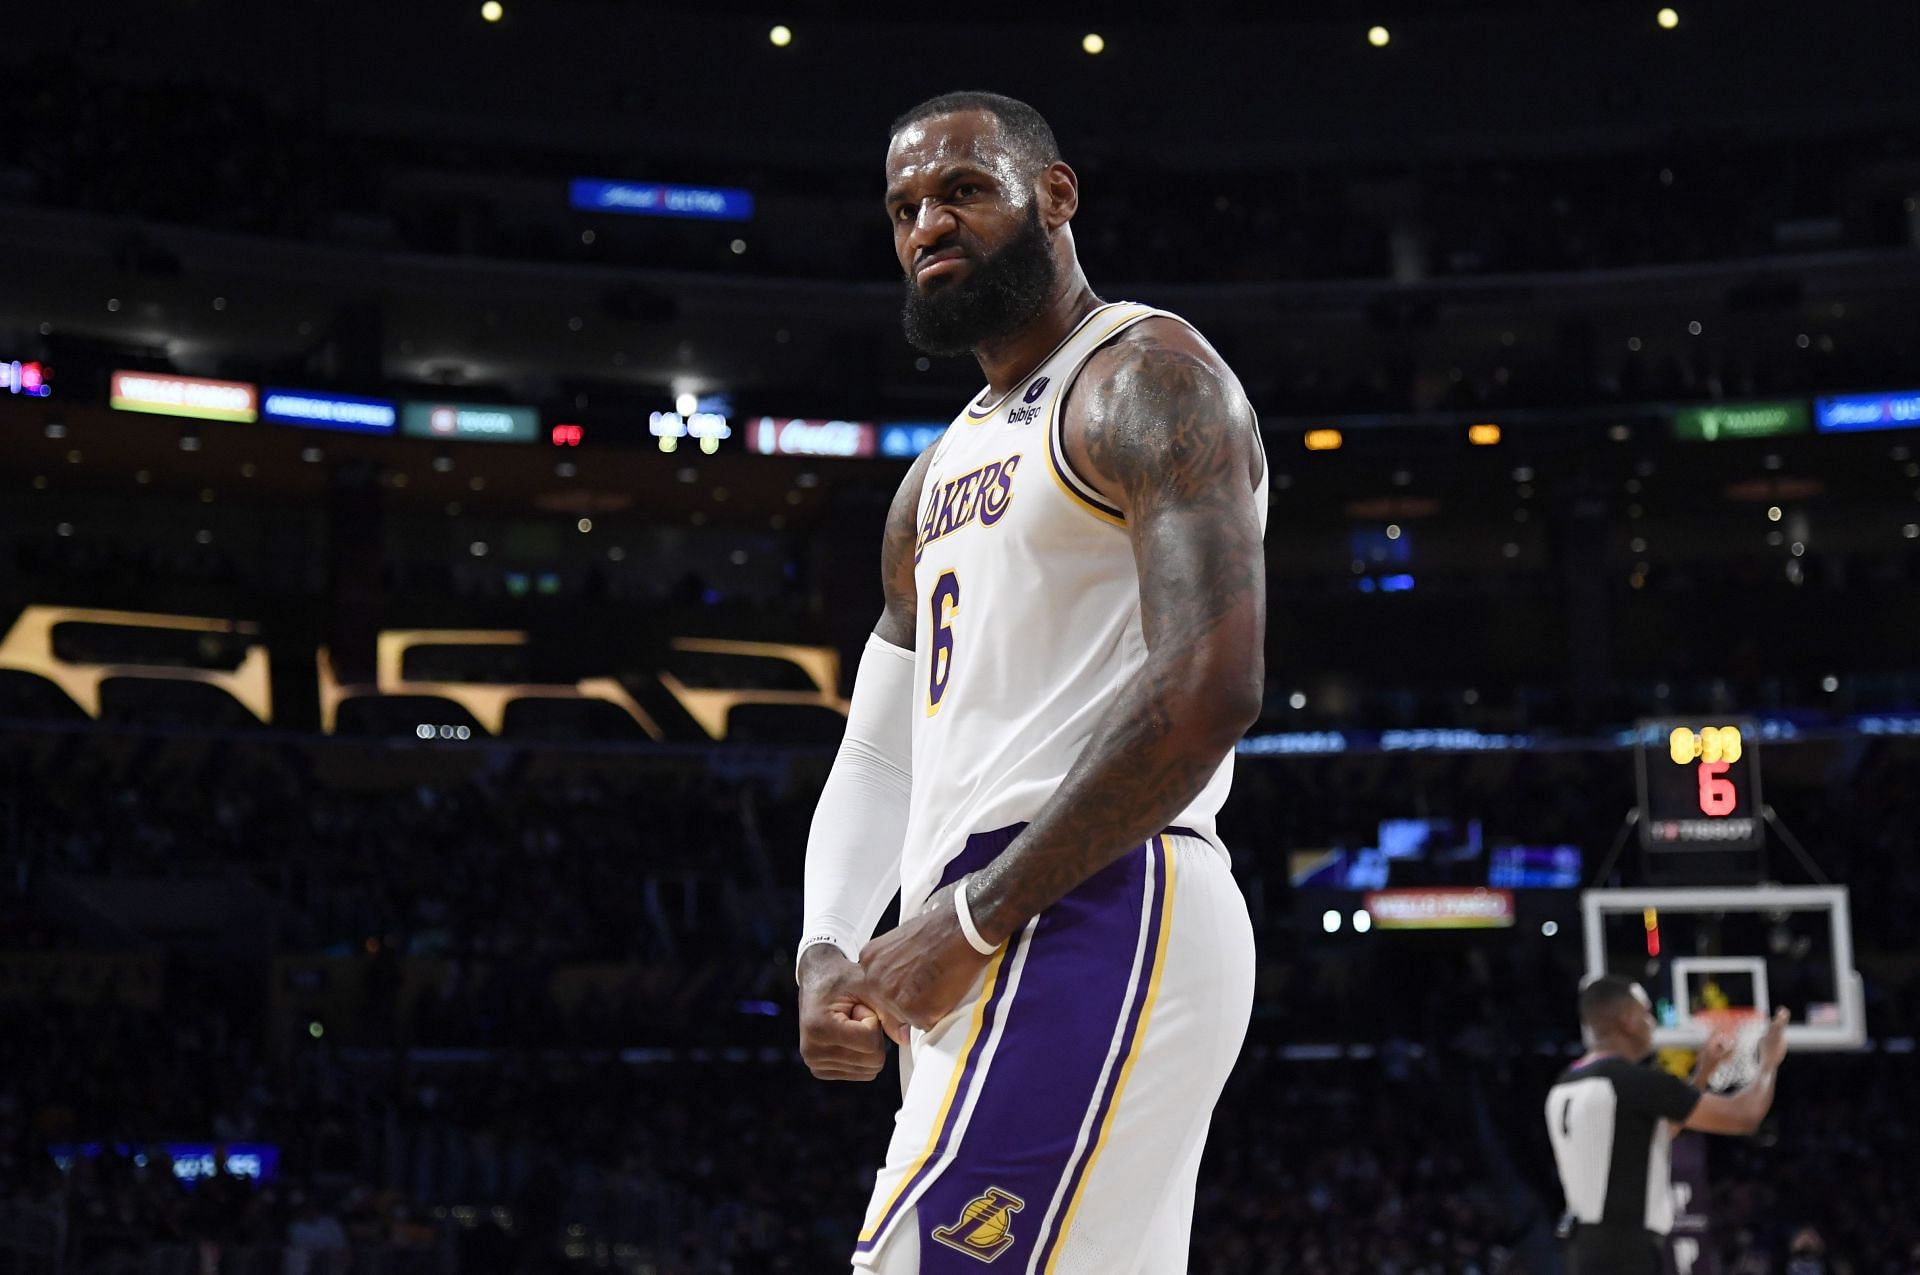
1599, 997
1024, 129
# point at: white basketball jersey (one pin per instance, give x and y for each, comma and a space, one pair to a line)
1029, 617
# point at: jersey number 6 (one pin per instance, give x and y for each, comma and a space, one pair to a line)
946, 604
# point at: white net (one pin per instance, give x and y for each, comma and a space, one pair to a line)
1742, 1031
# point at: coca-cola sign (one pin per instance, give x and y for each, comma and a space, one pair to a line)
800, 436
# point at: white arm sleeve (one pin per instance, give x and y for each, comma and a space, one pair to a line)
860, 825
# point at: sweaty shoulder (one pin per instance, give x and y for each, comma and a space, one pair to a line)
1156, 412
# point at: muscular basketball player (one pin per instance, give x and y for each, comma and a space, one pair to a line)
1040, 738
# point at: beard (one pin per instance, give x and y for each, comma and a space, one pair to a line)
998, 297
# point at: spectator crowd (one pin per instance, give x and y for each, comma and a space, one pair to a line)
523, 1012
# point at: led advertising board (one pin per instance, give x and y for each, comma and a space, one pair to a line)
799, 436
194, 396
658, 199
1740, 420
470, 422
1849, 413
329, 411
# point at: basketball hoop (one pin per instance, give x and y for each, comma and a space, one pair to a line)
1746, 1028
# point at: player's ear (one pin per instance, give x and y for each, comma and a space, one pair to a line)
1059, 194
1630, 1016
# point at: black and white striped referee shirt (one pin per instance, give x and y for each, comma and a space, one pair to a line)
1608, 1119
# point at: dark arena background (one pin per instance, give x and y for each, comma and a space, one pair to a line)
443, 456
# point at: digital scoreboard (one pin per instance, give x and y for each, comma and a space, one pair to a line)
1699, 785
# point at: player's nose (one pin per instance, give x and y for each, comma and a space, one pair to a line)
933, 222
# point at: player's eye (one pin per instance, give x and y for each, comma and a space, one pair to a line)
965, 190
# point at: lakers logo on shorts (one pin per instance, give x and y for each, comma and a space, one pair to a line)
985, 1228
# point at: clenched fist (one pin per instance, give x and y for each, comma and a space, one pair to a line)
841, 1035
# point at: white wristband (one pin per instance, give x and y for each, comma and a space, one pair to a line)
967, 927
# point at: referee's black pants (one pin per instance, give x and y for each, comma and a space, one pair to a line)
1596, 1250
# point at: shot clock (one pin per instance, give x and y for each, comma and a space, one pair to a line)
1699, 785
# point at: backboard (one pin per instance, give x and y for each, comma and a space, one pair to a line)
1709, 949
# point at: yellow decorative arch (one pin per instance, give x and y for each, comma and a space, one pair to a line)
28, 648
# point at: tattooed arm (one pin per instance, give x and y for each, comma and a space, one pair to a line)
1161, 424
896, 623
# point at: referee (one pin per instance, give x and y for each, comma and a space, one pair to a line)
1612, 1118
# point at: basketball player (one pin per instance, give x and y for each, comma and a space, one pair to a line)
1611, 1118
1041, 734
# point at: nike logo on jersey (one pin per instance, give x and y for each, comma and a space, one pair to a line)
981, 496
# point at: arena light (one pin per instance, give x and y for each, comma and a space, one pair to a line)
492, 11
1323, 440
1330, 921
1668, 19
1483, 435
1093, 43
25, 378
780, 37
707, 427
1362, 921
1379, 37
